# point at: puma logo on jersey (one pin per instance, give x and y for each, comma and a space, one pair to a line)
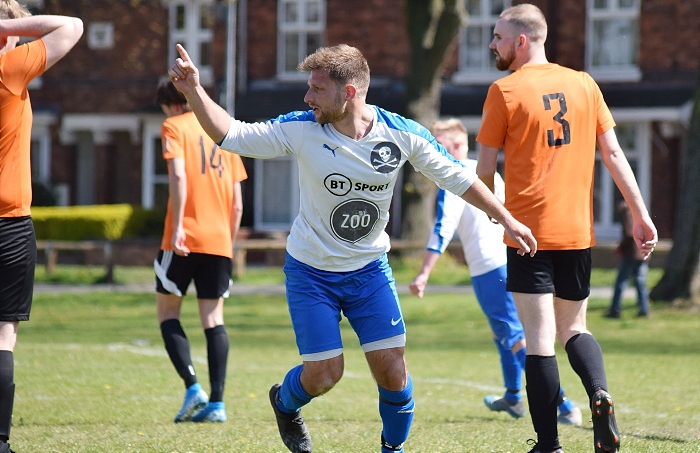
330, 149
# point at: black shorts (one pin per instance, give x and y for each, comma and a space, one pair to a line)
17, 263
566, 273
211, 274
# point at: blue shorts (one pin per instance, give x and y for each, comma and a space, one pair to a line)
498, 306
367, 297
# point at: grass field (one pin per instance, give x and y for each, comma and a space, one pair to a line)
92, 376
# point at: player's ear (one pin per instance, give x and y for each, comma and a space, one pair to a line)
350, 92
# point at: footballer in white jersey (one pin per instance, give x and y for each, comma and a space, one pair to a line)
346, 185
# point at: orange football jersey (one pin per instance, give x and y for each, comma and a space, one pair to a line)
17, 68
211, 174
546, 118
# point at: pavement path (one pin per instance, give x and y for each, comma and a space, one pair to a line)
241, 289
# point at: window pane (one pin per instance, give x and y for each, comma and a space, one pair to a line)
160, 195
497, 7
204, 53
34, 157
474, 51
626, 4
313, 12
600, 4
206, 18
313, 42
161, 167
614, 42
626, 136
597, 189
276, 204
291, 12
291, 54
474, 7
180, 17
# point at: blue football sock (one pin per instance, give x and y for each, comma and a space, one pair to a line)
396, 411
512, 372
565, 406
292, 395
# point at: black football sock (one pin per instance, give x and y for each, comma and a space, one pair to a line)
7, 393
178, 348
217, 352
542, 384
586, 359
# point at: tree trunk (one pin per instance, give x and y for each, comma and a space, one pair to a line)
680, 279
432, 26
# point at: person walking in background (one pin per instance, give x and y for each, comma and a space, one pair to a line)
485, 255
56, 36
548, 119
349, 154
632, 264
201, 223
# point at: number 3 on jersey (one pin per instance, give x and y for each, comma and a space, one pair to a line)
559, 118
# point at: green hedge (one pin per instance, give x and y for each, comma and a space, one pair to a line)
115, 221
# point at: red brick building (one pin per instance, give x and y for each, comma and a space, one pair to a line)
96, 128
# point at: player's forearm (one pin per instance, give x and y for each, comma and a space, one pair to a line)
622, 174
211, 116
178, 198
480, 196
236, 211
429, 261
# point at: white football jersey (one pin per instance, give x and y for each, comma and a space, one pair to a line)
482, 240
346, 185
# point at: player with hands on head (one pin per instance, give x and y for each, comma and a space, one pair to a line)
349, 154
19, 65
548, 119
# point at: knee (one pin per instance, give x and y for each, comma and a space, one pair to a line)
319, 377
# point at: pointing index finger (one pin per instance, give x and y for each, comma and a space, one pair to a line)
183, 53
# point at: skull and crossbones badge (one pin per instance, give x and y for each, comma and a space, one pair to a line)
385, 157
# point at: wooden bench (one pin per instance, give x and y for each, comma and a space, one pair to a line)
242, 246
51, 249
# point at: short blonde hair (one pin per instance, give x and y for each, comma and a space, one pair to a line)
453, 129
11, 9
529, 19
344, 64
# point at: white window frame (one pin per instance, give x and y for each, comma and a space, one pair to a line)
149, 178
613, 73
261, 186
487, 73
301, 28
191, 36
41, 136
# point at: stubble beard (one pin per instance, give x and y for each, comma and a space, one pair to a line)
336, 113
503, 62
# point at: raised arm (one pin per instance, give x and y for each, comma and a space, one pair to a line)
643, 229
59, 33
185, 76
